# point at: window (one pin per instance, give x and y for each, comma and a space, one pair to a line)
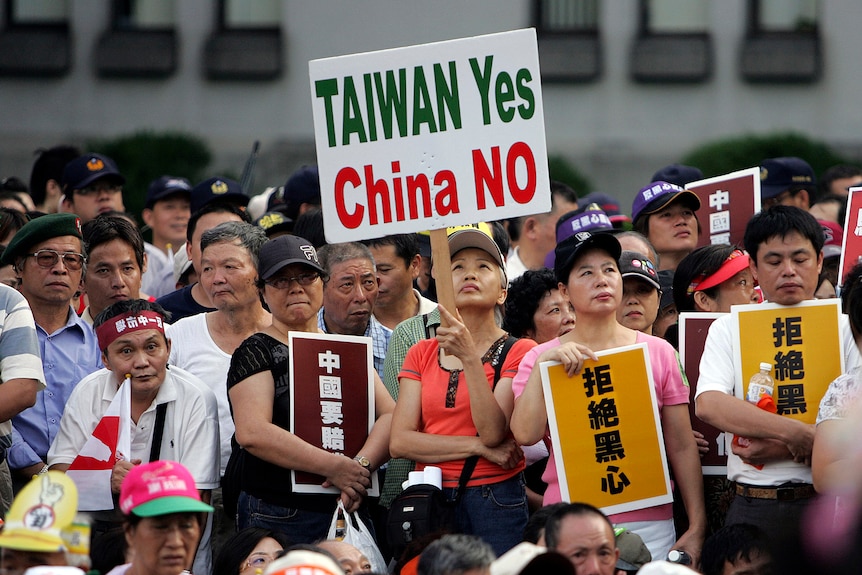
35, 41
141, 43
782, 43
568, 37
37, 13
247, 44
673, 42
144, 14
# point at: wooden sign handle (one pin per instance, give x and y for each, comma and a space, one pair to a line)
442, 268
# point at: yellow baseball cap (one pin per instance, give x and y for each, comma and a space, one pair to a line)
39, 513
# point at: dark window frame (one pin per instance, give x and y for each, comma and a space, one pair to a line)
669, 57
762, 55
568, 54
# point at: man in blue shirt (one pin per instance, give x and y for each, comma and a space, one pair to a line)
48, 257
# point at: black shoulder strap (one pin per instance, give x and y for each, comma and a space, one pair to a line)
156, 448
470, 462
501, 359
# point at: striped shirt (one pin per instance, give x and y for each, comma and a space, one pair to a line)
19, 348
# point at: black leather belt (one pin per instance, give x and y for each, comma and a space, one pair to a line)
788, 492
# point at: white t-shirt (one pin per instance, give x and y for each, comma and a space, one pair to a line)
515, 268
717, 373
193, 349
158, 280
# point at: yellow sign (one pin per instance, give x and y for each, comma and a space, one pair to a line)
804, 345
606, 431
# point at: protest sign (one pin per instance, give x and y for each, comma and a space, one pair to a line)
606, 431
852, 246
331, 398
693, 329
803, 343
727, 202
430, 136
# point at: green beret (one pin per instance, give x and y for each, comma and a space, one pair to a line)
37, 231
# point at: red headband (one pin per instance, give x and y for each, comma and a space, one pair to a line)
735, 263
127, 323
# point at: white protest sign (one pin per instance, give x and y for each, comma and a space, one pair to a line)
430, 136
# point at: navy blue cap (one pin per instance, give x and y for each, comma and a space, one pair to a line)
568, 250
665, 278
678, 174
218, 189
86, 169
165, 186
302, 187
779, 174
274, 222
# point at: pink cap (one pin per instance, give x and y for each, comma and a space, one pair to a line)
160, 488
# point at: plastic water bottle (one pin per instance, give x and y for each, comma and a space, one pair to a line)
678, 556
761, 387
340, 526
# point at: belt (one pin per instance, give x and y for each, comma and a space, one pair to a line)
789, 492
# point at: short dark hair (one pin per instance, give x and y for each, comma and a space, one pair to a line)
406, 245
837, 172
552, 525
704, 261
522, 301
238, 546
653, 255
11, 221
730, 544
779, 221
214, 207
130, 306
536, 523
309, 225
49, 166
107, 227
7, 195
564, 191
501, 237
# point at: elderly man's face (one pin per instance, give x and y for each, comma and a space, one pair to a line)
349, 296
588, 541
52, 284
142, 354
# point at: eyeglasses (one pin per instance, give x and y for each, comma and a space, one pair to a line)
259, 560
49, 258
98, 188
283, 282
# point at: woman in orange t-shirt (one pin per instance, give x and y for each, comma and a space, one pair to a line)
449, 407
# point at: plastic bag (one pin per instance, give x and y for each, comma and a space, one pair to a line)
358, 535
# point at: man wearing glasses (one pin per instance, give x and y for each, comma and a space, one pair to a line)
47, 255
92, 185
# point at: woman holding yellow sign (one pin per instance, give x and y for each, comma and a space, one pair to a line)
588, 271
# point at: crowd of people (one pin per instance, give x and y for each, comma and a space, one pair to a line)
193, 330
